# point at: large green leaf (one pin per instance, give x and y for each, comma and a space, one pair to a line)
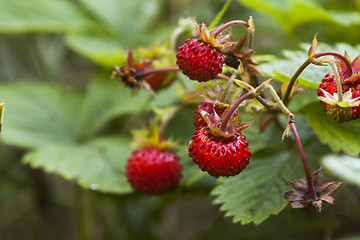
343, 137
257, 192
344, 167
283, 69
18, 16
96, 165
104, 51
124, 18
290, 13
39, 114
106, 99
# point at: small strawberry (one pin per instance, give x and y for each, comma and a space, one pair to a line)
348, 107
219, 156
153, 171
153, 168
219, 148
200, 58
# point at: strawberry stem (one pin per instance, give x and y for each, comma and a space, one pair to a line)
307, 63
159, 70
228, 24
248, 88
337, 79
310, 183
293, 80
233, 109
339, 56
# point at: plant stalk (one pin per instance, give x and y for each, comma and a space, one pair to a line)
337, 79
307, 63
159, 70
310, 183
293, 80
228, 24
233, 108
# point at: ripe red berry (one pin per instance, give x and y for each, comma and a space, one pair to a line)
208, 107
153, 171
199, 60
217, 155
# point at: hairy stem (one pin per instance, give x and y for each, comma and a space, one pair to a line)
305, 163
293, 80
228, 24
338, 55
159, 70
307, 63
233, 108
248, 88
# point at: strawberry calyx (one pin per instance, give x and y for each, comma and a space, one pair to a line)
151, 139
218, 41
143, 74
215, 124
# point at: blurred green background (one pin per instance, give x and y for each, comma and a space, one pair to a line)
56, 59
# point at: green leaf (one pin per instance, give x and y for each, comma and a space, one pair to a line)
124, 18
106, 99
290, 13
18, 16
343, 137
39, 114
283, 69
257, 192
97, 165
106, 52
344, 167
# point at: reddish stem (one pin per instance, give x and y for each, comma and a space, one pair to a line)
310, 183
233, 109
159, 70
228, 24
338, 55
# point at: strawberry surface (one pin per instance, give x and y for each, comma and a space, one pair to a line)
217, 155
153, 171
199, 61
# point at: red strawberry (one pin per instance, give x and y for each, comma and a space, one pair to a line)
219, 156
208, 107
199, 60
153, 171
219, 148
349, 107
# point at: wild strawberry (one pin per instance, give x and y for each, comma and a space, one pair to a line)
219, 148
153, 171
199, 60
153, 168
219, 156
348, 107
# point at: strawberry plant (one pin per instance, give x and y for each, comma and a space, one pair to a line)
186, 130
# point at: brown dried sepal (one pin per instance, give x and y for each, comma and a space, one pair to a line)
299, 195
236, 56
